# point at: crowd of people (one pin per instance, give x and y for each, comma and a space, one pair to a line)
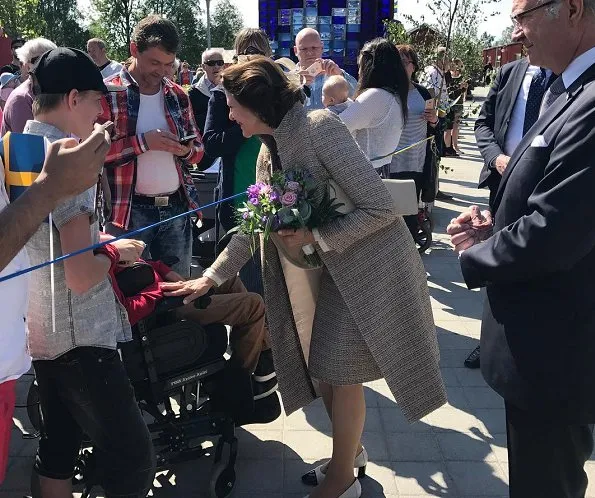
137, 135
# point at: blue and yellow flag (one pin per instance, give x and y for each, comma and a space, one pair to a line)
23, 156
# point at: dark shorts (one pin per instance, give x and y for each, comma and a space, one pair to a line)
87, 391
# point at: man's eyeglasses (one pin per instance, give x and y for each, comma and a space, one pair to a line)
219, 62
517, 19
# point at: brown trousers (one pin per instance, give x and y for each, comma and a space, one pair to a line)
233, 305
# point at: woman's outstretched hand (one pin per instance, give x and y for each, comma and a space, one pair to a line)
297, 238
192, 289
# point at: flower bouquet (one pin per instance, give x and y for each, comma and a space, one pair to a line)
289, 201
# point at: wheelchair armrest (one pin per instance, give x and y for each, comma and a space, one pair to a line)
172, 302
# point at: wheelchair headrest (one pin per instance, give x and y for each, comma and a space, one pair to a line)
133, 279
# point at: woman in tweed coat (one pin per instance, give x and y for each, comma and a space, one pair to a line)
373, 316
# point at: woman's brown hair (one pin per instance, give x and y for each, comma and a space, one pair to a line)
251, 41
260, 85
409, 52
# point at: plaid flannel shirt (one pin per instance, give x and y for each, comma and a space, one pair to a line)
121, 106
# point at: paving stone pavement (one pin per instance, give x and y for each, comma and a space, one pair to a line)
459, 451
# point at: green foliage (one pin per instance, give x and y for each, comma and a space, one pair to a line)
506, 36
56, 20
225, 23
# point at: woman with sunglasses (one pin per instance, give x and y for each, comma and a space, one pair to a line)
223, 138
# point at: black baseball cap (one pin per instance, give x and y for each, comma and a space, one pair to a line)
64, 69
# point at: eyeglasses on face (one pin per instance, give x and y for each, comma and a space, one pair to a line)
218, 62
252, 51
517, 19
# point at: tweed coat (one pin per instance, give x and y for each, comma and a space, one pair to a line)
372, 260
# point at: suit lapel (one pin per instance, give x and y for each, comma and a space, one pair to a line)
557, 108
517, 77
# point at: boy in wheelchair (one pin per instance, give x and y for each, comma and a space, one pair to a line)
138, 288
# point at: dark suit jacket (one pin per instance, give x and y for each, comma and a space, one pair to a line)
223, 138
538, 330
492, 124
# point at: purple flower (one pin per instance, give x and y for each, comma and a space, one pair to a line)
274, 196
253, 190
254, 200
265, 189
293, 186
245, 215
289, 198
264, 220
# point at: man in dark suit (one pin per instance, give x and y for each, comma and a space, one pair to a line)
509, 111
538, 329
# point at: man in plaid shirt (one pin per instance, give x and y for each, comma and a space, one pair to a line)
147, 164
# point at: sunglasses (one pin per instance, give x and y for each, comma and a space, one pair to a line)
215, 63
252, 51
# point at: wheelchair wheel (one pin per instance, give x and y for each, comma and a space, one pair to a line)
223, 480
423, 238
33, 410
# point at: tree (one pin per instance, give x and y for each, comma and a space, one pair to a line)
226, 22
506, 36
487, 40
113, 21
59, 23
19, 18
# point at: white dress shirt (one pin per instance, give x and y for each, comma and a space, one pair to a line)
514, 134
578, 66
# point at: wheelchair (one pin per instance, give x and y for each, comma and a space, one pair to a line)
183, 379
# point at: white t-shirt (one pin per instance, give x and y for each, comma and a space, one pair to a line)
156, 172
111, 69
14, 360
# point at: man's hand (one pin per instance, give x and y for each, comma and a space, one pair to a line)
130, 250
192, 289
330, 67
469, 228
502, 163
297, 238
165, 141
71, 168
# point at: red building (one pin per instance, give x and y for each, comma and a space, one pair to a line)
503, 54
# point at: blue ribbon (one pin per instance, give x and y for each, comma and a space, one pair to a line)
124, 236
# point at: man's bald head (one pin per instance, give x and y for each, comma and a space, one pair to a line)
308, 47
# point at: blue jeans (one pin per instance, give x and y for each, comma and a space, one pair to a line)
167, 241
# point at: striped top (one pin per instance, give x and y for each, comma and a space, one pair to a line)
415, 129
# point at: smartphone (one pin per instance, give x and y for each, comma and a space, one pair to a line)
186, 140
429, 104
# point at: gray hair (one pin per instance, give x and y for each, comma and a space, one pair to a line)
590, 6
34, 48
553, 11
176, 65
96, 41
209, 52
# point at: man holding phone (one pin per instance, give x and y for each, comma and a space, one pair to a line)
154, 141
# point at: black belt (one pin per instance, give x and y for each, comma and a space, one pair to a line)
176, 198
